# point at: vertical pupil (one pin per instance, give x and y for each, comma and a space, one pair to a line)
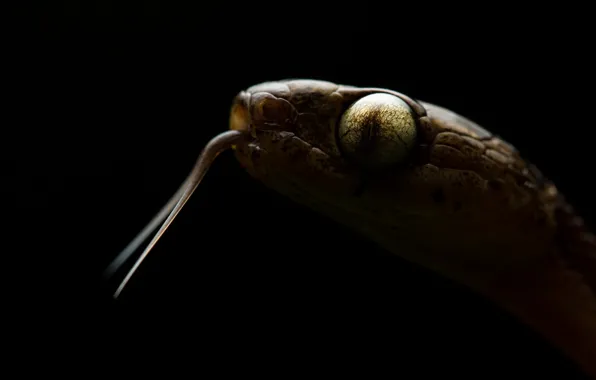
370, 133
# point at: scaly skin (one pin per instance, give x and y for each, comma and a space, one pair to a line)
464, 204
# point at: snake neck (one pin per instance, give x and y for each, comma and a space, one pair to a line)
556, 294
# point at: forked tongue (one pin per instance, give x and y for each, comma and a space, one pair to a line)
168, 212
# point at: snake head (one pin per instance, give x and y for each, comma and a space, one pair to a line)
323, 133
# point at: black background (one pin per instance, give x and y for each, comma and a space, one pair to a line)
112, 103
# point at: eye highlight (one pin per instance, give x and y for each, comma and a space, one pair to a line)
377, 130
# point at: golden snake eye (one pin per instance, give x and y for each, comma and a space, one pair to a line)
377, 130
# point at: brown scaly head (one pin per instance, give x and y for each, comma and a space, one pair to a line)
432, 187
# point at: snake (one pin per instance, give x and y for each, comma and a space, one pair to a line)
423, 183
434, 188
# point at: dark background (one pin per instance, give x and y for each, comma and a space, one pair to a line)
110, 104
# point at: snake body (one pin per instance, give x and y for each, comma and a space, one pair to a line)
463, 203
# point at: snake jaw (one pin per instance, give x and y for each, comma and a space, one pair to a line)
276, 157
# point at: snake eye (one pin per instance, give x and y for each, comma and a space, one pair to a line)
377, 130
